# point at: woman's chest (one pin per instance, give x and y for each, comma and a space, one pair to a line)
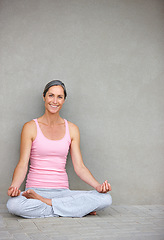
53, 133
42, 148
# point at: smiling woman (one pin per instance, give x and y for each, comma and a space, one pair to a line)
54, 99
54, 95
46, 141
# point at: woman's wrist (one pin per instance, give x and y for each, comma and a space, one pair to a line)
14, 184
97, 185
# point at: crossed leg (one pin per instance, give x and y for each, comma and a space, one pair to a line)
30, 193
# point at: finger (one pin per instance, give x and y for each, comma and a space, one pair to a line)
104, 187
109, 187
14, 194
15, 190
11, 191
18, 192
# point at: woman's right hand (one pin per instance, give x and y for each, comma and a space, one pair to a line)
104, 188
13, 191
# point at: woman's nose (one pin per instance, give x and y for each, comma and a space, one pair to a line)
55, 100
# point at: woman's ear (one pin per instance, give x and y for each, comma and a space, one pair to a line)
43, 98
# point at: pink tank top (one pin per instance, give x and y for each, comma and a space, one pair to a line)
48, 160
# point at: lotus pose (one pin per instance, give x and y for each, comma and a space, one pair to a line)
46, 141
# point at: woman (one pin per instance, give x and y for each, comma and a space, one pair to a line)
46, 142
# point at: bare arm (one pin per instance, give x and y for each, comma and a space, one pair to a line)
22, 166
81, 170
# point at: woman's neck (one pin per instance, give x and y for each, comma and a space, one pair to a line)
51, 119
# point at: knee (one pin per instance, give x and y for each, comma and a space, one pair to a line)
107, 199
13, 205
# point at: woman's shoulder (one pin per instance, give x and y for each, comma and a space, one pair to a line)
29, 127
29, 130
72, 126
30, 124
74, 130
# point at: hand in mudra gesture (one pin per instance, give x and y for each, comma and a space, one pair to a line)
104, 187
13, 191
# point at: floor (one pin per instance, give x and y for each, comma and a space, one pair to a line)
115, 223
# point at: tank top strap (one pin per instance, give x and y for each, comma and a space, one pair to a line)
36, 121
67, 130
39, 132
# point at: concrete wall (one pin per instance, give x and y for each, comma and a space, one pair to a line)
110, 55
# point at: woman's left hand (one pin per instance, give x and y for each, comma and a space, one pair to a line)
104, 187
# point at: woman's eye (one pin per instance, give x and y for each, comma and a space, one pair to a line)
50, 95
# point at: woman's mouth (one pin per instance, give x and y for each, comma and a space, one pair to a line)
53, 106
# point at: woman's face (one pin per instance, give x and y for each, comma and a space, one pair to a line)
54, 99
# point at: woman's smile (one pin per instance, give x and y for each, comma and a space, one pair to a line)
54, 106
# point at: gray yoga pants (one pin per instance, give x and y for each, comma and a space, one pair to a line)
65, 203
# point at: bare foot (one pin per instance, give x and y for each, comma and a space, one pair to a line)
92, 213
30, 193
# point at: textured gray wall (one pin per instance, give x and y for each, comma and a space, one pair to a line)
110, 55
